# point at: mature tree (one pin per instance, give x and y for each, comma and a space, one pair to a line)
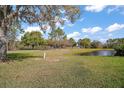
96, 44
33, 39
117, 44
85, 43
65, 42
111, 43
119, 50
41, 15
72, 42
12, 37
57, 36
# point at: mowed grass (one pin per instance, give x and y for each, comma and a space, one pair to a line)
62, 68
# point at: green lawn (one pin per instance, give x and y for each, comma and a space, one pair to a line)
62, 68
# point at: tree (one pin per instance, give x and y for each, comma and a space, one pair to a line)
65, 42
12, 37
33, 39
41, 15
85, 43
119, 50
117, 44
57, 36
96, 44
111, 43
72, 42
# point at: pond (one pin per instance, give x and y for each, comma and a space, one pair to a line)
100, 53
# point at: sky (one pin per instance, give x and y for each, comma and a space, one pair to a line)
99, 22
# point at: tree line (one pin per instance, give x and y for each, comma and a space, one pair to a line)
58, 39
35, 40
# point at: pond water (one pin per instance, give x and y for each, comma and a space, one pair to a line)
100, 53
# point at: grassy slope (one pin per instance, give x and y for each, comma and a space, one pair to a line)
62, 68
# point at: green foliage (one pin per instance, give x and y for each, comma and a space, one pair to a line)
96, 44
72, 42
57, 35
57, 38
112, 43
119, 50
85, 43
33, 39
119, 47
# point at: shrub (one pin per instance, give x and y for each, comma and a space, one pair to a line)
119, 50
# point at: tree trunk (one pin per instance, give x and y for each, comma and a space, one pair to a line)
3, 46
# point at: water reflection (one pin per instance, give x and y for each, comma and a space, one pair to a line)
100, 53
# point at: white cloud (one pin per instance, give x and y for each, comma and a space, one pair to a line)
30, 29
115, 27
92, 30
95, 8
74, 35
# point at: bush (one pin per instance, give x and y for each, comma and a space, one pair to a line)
119, 50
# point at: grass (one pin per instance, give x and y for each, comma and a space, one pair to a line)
62, 68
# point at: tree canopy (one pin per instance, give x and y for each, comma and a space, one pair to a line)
72, 42
39, 14
57, 37
96, 44
33, 39
85, 43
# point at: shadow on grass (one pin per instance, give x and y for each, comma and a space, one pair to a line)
20, 56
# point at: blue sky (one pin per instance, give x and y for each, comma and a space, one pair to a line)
96, 22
